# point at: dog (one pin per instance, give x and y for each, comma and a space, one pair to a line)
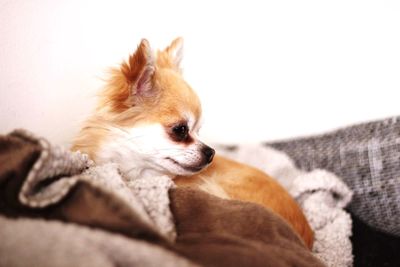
147, 121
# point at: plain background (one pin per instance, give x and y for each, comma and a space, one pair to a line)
264, 70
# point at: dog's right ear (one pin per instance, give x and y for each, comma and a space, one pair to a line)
139, 71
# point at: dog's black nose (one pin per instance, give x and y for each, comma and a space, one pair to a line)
208, 153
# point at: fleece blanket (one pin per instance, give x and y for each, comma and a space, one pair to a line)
366, 157
321, 194
58, 209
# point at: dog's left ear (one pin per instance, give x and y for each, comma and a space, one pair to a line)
172, 55
132, 83
139, 70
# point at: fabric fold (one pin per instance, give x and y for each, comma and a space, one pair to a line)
320, 193
58, 209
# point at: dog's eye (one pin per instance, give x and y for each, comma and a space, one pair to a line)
181, 132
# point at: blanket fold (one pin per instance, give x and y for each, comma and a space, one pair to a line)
321, 194
59, 209
54, 175
366, 157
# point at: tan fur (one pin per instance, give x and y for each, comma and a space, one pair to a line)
117, 107
243, 182
127, 101
208, 184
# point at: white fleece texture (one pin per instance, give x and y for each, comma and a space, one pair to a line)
321, 194
147, 196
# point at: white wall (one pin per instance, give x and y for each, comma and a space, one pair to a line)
263, 69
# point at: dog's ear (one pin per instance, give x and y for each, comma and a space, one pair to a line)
139, 70
172, 55
175, 52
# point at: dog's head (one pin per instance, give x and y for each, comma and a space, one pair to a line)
148, 117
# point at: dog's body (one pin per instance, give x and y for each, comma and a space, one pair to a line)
147, 122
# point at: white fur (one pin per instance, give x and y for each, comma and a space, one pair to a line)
176, 53
193, 123
147, 150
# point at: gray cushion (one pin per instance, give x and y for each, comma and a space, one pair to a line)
367, 157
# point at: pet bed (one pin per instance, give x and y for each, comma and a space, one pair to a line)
58, 209
366, 157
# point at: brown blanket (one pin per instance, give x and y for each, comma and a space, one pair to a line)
63, 218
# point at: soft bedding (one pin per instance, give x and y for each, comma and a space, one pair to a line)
321, 194
58, 209
366, 157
